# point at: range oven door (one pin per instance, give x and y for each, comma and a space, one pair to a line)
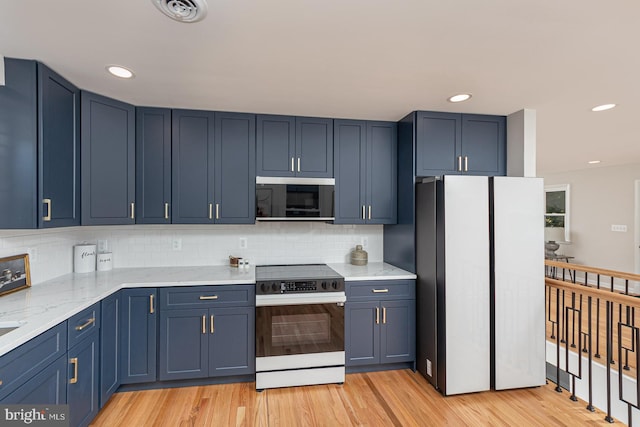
284, 330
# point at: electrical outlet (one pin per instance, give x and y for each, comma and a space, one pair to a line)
176, 244
365, 242
33, 254
243, 243
103, 246
429, 367
619, 228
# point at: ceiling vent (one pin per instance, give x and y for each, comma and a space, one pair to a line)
183, 10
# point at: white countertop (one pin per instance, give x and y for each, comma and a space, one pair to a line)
45, 305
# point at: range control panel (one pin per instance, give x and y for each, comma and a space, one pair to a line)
268, 287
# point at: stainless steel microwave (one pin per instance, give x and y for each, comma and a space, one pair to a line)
295, 199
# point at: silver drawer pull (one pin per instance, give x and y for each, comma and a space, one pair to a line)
85, 325
380, 291
205, 297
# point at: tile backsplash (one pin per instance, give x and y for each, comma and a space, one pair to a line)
51, 251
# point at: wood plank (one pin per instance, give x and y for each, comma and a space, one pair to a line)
389, 398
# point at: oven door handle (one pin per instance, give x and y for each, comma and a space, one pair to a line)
300, 299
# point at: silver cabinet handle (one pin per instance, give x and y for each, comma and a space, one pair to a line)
208, 297
47, 217
166, 211
369, 211
363, 211
466, 164
384, 315
380, 291
377, 315
86, 324
292, 170
151, 308
210, 210
459, 163
217, 211
298, 164
133, 210
212, 324
204, 323
74, 361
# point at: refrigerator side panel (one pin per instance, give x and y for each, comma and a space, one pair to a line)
519, 282
467, 300
426, 334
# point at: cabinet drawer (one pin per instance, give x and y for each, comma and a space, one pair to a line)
207, 296
83, 324
380, 289
19, 365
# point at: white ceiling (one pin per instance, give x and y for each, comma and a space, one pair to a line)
367, 59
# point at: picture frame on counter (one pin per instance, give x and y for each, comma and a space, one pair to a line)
14, 273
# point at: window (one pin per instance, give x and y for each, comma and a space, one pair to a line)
556, 217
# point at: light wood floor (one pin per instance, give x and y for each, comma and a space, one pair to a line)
398, 398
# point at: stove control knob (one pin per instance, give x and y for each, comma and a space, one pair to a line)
264, 287
274, 287
334, 284
324, 285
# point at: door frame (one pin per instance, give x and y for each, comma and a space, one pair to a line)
636, 242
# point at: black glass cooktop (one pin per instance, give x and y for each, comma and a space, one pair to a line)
295, 272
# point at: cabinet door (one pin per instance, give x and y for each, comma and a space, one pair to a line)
438, 141
275, 145
362, 333
397, 334
184, 339
18, 139
350, 171
47, 387
153, 165
192, 167
108, 161
59, 150
138, 335
231, 341
82, 388
109, 347
484, 144
382, 154
235, 168
314, 147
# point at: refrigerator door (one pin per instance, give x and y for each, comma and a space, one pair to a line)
518, 237
467, 302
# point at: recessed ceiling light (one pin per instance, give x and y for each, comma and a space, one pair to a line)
603, 107
594, 162
119, 71
461, 97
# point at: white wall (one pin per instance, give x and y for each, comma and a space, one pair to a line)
600, 197
151, 245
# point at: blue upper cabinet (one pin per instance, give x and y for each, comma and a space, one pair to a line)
235, 168
108, 161
59, 150
153, 166
294, 146
448, 143
365, 167
484, 144
192, 167
314, 147
39, 163
276, 145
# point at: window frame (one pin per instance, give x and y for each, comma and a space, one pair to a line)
567, 205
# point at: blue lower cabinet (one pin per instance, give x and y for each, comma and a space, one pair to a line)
138, 335
184, 337
82, 386
231, 341
49, 387
362, 334
397, 334
109, 347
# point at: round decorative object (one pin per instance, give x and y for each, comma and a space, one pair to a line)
182, 10
359, 256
